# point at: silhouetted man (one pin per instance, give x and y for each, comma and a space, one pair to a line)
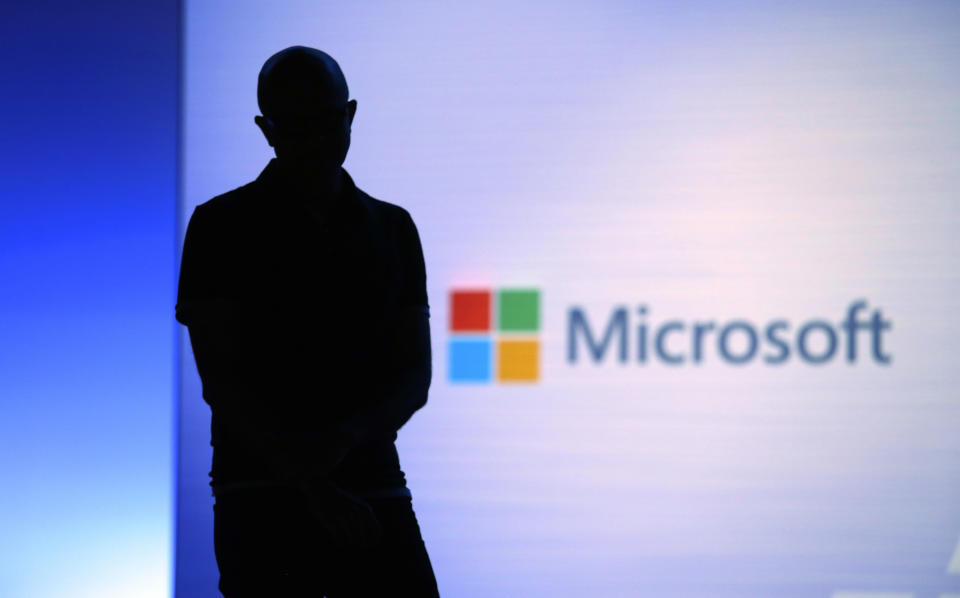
306, 304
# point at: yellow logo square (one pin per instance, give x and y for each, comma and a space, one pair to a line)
518, 361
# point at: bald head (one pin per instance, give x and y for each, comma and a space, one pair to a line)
298, 80
306, 113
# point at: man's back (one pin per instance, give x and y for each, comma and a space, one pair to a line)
318, 305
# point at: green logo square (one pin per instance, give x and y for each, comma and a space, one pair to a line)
518, 310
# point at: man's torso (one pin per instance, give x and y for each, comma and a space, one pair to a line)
321, 295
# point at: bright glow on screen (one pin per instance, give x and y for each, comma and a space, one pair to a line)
739, 223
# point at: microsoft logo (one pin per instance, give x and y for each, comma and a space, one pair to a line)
494, 335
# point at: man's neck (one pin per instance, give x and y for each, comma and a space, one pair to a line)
314, 185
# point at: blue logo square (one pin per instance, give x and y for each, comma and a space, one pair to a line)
470, 360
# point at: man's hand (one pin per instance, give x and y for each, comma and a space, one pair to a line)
347, 520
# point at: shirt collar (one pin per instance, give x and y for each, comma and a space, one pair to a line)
278, 189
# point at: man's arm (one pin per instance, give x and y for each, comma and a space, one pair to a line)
225, 354
409, 372
405, 390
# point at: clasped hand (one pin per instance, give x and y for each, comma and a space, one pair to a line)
348, 521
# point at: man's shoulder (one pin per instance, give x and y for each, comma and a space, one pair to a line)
231, 200
392, 213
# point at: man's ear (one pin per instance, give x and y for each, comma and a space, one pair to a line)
266, 127
351, 110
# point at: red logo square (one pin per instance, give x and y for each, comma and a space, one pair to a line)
470, 311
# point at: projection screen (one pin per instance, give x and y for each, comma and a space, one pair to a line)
691, 269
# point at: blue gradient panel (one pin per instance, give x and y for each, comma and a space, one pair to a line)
704, 191
87, 234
